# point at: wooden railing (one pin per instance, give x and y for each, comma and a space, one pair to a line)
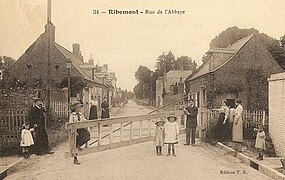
250, 118
11, 121
116, 132
59, 109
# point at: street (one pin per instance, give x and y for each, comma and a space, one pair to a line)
138, 162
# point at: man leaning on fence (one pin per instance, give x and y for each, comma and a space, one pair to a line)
36, 118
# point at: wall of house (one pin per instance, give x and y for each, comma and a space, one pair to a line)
158, 93
217, 59
32, 65
234, 73
277, 112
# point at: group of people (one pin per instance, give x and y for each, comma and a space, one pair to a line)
226, 129
167, 132
94, 108
34, 131
34, 137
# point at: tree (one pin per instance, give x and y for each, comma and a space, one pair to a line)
143, 88
184, 63
233, 34
164, 63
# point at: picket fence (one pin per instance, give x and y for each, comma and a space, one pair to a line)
12, 119
250, 118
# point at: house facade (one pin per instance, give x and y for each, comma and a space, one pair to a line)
238, 71
173, 82
31, 69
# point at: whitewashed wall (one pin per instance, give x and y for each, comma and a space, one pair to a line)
277, 112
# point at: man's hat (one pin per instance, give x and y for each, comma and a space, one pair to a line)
159, 120
172, 115
35, 99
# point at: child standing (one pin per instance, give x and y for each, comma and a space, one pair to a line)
260, 141
171, 133
26, 140
159, 136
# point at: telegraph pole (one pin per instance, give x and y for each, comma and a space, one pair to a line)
48, 105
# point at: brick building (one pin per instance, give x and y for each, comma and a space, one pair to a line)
238, 71
277, 112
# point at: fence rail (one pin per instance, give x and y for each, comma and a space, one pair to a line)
115, 132
250, 118
12, 119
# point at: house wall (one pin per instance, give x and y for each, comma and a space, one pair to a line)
252, 56
277, 112
158, 93
217, 59
231, 77
32, 65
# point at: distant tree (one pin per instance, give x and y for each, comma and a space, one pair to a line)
282, 41
143, 88
184, 63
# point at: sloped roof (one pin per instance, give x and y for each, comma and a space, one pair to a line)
76, 62
179, 73
233, 48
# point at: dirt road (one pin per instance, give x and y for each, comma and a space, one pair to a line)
138, 162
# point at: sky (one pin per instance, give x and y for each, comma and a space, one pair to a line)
125, 42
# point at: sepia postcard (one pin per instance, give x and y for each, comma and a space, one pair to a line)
146, 89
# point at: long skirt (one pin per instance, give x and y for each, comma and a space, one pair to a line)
105, 113
238, 131
93, 113
221, 130
41, 140
83, 136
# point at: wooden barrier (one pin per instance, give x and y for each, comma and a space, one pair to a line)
140, 129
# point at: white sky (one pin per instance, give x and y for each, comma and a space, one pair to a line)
127, 41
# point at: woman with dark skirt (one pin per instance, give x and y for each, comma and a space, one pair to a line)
105, 109
93, 109
82, 134
221, 129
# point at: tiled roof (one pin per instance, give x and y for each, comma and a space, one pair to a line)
76, 62
234, 48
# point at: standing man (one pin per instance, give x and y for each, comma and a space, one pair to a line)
191, 122
37, 119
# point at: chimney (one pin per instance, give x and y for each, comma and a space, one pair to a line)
91, 60
76, 51
106, 67
49, 27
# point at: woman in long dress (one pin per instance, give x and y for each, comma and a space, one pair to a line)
221, 129
93, 109
105, 109
238, 124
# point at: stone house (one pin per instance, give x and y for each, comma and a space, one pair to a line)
238, 71
174, 86
277, 112
32, 67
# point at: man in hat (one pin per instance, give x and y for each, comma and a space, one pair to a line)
191, 122
37, 119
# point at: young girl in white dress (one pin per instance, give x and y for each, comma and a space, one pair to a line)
26, 140
171, 133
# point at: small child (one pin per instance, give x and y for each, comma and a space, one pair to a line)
159, 136
260, 141
26, 140
171, 133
